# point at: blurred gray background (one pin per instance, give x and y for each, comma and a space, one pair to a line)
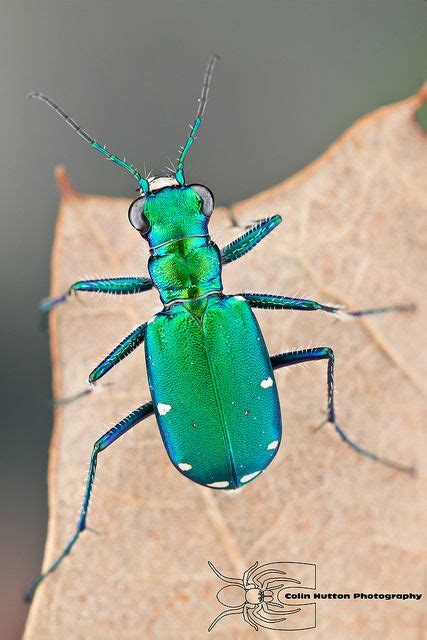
293, 75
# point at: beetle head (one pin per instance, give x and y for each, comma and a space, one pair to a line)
169, 211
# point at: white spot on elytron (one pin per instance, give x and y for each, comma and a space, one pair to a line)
273, 445
250, 476
219, 485
239, 298
163, 409
268, 382
184, 466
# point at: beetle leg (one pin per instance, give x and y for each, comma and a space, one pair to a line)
104, 285
108, 438
126, 347
243, 244
325, 353
266, 301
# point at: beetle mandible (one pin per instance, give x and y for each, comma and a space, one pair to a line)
194, 346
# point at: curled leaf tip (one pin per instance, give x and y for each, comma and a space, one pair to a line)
63, 181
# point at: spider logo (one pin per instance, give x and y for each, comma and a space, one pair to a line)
256, 596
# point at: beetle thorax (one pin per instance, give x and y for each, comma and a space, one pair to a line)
187, 268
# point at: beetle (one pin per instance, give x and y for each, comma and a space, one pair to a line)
203, 344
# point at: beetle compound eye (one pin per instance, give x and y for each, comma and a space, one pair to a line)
136, 215
206, 195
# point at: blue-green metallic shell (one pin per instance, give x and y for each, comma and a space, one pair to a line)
186, 269
213, 390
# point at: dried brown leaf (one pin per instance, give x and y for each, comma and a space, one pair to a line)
354, 233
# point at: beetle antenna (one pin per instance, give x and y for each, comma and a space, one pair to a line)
143, 183
197, 122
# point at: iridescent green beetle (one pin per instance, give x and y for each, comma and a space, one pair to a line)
210, 375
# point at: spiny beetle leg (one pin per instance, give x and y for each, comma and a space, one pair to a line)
126, 347
126, 285
108, 438
266, 301
242, 245
325, 353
